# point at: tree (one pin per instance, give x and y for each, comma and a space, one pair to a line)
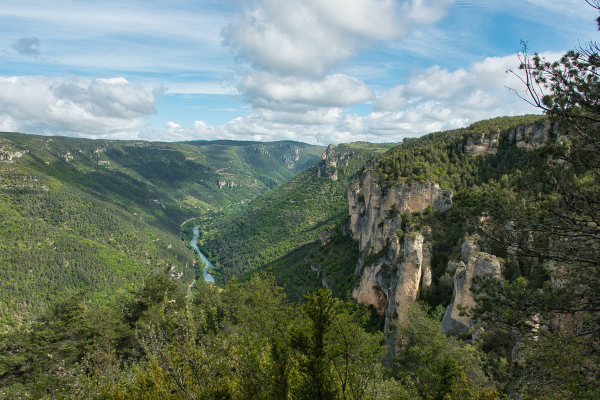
434, 366
309, 341
549, 218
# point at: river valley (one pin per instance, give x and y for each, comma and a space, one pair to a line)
207, 264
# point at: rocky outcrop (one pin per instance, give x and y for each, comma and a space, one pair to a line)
426, 266
395, 262
534, 136
408, 278
325, 235
525, 137
330, 160
9, 155
376, 208
481, 143
222, 184
289, 160
456, 319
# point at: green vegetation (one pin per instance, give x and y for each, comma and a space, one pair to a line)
283, 220
306, 268
80, 214
545, 315
437, 158
244, 342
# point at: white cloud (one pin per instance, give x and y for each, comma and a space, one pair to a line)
424, 12
293, 44
265, 90
482, 86
309, 37
39, 104
295, 108
432, 100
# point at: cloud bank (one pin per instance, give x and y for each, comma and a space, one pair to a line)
294, 67
73, 106
432, 100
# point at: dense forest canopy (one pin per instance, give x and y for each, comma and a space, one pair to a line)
90, 234
96, 215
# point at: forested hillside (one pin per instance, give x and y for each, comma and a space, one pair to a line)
247, 340
285, 219
97, 216
280, 229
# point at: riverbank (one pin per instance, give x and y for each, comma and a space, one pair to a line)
207, 264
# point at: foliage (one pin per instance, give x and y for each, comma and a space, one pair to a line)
548, 216
243, 342
435, 366
282, 220
436, 157
334, 263
100, 215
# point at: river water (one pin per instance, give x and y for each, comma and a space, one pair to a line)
207, 264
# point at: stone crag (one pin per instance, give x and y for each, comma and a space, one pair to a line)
481, 143
524, 137
395, 264
534, 136
330, 160
474, 263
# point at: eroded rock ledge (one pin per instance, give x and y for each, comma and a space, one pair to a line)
395, 264
474, 263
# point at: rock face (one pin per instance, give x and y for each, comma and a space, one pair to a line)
330, 160
474, 264
375, 208
394, 265
533, 136
482, 143
525, 137
325, 235
8, 155
222, 184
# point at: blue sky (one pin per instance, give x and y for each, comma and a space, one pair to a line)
317, 71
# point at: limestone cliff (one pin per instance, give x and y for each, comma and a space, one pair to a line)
375, 209
456, 319
525, 137
481, 143
533, 136
330, 160
395, 263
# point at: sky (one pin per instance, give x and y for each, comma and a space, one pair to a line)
315, 71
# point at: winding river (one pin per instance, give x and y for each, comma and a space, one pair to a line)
207, 264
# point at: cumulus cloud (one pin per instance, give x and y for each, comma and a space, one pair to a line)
292, 45
309, 37
27, 46
482, 86
39, 104
264, 90
431, 100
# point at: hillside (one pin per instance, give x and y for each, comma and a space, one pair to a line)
395, 229
94, 215
281, 229
288, 217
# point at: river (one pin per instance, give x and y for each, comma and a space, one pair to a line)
207, 264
